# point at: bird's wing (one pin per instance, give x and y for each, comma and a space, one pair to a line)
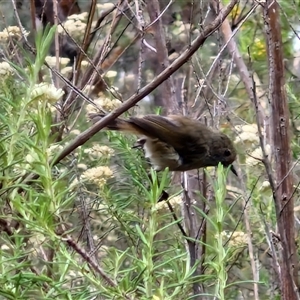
173, 133
157, 126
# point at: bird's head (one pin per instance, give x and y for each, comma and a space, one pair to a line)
222, 151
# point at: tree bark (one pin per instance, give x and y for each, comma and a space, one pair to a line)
280, 139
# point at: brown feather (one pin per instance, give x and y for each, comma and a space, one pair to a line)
177, 142
119, 125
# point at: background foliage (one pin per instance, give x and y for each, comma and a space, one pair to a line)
90, 225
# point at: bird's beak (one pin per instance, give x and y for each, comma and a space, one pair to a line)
233, 170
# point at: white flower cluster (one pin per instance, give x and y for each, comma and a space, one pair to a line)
174, 201
98, 175
14, 32
98, 151
51, 61
249, 138
237, 238
104, 104
247, 134
5, 70
75, 25
256, 156
46, 92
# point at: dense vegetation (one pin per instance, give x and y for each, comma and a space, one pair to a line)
82, 214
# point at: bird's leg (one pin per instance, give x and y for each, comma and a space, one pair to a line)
164, 196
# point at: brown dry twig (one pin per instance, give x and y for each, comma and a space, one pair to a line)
91, 263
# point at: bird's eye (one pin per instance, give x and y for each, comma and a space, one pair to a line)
227, 152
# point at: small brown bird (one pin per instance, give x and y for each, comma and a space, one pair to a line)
177, 142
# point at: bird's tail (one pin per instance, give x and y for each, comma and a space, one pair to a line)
118, 124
